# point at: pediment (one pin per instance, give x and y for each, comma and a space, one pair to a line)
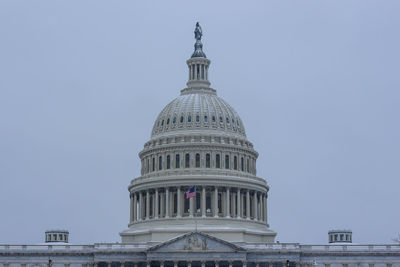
196, 242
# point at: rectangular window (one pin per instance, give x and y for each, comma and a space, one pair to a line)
177, 161
235, 163
168, 162
242, 164
154, 165
198, 202
187, 160
226, 162
217, 161
197, 160
208, 161
175, 203
159, 163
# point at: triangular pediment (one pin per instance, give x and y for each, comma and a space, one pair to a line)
196, 241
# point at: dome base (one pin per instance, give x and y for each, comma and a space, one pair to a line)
232, 230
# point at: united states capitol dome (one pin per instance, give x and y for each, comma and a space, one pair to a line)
198, 170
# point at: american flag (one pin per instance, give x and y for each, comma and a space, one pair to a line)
191, 192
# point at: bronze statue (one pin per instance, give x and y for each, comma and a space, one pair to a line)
198, 32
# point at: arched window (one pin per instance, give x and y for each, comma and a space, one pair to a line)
226, 162
233, 121
197, 160
162, 123
177, 161
217, 161
187, 160
154, 165
227, 120
160, 163
182, 119
242, 164
197, 118
208, 165
235, 163
174, 120
168, 121
205, 118
213, 118
168, 162
221, 120
189, 118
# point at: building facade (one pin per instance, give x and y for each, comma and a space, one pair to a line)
198, 201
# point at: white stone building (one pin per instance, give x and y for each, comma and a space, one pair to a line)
198, 142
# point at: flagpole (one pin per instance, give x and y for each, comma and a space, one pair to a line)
195, 217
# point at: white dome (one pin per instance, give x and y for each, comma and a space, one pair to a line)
198, 110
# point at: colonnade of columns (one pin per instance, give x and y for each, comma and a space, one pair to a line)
198, 71
228, 202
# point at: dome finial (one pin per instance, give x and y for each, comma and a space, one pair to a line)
198, 46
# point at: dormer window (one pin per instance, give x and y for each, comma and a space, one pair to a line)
221, 120
189, 118
205, 118
174, 120
227, 120
168, 121
182, 119
213, 118
197, 118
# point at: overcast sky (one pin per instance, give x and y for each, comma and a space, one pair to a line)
316, 83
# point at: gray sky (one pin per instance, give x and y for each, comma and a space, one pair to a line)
316, 83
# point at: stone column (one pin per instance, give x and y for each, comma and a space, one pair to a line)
228, 200
215, 201
131, 209
156, 205
178, 204
239, 197
248, 205
167, 208
255, 206
203, 202
134, 207
265, 209
233, 203
162, 205
140, 206
147, 204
